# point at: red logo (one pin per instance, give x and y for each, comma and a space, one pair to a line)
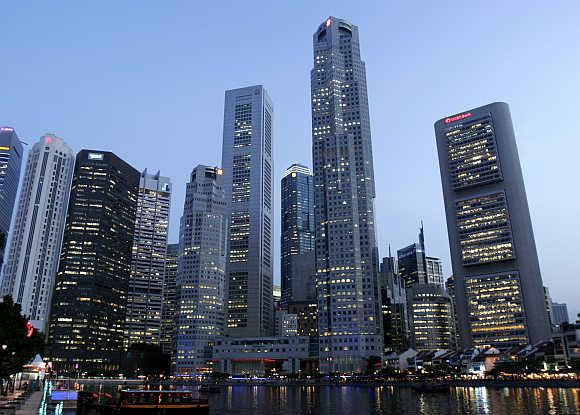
457, 118
29, 329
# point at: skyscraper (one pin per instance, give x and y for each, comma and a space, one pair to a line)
87, 321
10, 162
145, 293
349, 310
499, 294
394, 307
434, 270
413, 262
169, 303
38, 228
200, 283
431, 316
248, 179
297, 239
560, 314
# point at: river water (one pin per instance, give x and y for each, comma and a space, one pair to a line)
333, 400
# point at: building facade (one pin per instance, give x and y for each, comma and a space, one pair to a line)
559, 314
87, 321
38, 228
349, 306
145, 293
297, 236
169, 303
412, 262
11, 154
200, 283
431, 315
499, 294
248, 182
434, 269
394, 307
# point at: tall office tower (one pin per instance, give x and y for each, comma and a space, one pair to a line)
349, 306
10, 162
413, 263
297, 240
548, 305
434, 269
394, 307
499, 292
559, 314
38, 228
200, 316
431, 317
145, 294
456, 337
169, 303
248, 180
87, 320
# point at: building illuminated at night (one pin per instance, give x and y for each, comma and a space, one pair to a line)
498, 287
248, 183
145, 294
431, 316
87, 320
349, 306
200, 315
11, 154
169, 299
34, 253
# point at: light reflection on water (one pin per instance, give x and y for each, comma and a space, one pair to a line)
383, 400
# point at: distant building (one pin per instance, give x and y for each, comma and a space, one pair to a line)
394, 307
548, 303
259, 356
499, 294
169, 299
297, 236
87, 321
38, 227
145, 294
349, 304
11, 154
201, 281
431, 317
286, 323
434, 270
560, 314
248, 182
456, 337
412, 262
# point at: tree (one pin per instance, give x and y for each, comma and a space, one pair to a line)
19, 342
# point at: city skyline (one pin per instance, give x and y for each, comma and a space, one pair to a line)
396, 221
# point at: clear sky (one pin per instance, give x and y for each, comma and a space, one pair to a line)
146, 80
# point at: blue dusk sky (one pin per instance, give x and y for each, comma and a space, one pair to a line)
146, 80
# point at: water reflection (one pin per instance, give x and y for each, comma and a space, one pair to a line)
383, 400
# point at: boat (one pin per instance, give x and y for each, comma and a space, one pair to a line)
432, 386
158, 402
209, 389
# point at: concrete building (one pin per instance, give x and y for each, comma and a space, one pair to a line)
499, 294
259, 356
248, 182
286, 323
201, 281
145, 294
169, 303
297, 236
38, 228
11, 154
559, 314
87, 321
431, 316
349, 306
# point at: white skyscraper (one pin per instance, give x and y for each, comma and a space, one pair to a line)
145, 292
248, 180
34, 252
200, 282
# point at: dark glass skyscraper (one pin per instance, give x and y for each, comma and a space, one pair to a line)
297, 239
169, 303
89, 302
10, 163
349, 310
498, 286
394, 307
413, 263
